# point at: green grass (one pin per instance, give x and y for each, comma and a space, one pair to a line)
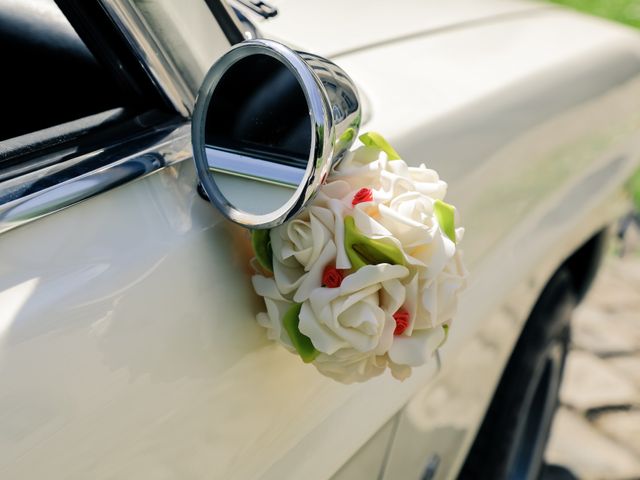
623, 11
634, 189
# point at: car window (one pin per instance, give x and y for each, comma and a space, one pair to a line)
49, 75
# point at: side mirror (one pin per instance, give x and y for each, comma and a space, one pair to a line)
268, 125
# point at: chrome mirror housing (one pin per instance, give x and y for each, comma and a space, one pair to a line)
267, 127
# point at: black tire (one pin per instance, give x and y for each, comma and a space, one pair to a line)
511, 441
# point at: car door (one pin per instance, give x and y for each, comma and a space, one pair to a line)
128, 345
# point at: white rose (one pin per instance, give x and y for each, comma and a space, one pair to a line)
369, 167
304, 237
417, 349
277, 306
302, 248
348, 365
410, 218
352, 326
427, 182
358, 314
438, 297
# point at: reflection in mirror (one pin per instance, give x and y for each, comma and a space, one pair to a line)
258, 127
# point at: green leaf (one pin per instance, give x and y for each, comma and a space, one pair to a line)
362, 250
261, 243
374, 139
300, 342
445, 214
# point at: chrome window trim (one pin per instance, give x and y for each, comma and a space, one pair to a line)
37, 194
150, 54
28, 198
75, 178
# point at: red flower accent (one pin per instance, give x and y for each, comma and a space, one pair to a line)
402, 321
362, 195
331, 277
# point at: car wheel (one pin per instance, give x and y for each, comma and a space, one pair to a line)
512, 438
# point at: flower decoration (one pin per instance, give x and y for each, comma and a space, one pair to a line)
367, 277
362, 195
331, 277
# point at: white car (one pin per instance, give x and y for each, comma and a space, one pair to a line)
128, 341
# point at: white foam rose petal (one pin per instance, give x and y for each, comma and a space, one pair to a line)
399, 372
299, 246
312, 280
272, 321
323, 338
287, 272
411, 303
370, 275
436, 254
427, 182
362, 160
337, 208
288, 279
417, 349
320, 236
266, 287
423, 174
428, 317
276, 306
392, 185
334, 190
409, 232
434, 190
360, 321
366, 224
413, 205
386, 336
439, 297
392, 297
304, 239
325, 216
334, 321
330, 324
349, 365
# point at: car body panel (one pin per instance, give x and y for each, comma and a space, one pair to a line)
535, 138
137, 346
333, 28
128, 346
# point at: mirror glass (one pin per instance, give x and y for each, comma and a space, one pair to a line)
258, 134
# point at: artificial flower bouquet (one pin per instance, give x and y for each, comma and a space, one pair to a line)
367, 276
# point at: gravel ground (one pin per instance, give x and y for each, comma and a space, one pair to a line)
596, 431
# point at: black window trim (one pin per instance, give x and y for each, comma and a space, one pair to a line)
108, 43
51, 178
47, 170
117, 56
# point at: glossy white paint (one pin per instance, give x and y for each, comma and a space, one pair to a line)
334, 27
535, 136
129, 350
128, 347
